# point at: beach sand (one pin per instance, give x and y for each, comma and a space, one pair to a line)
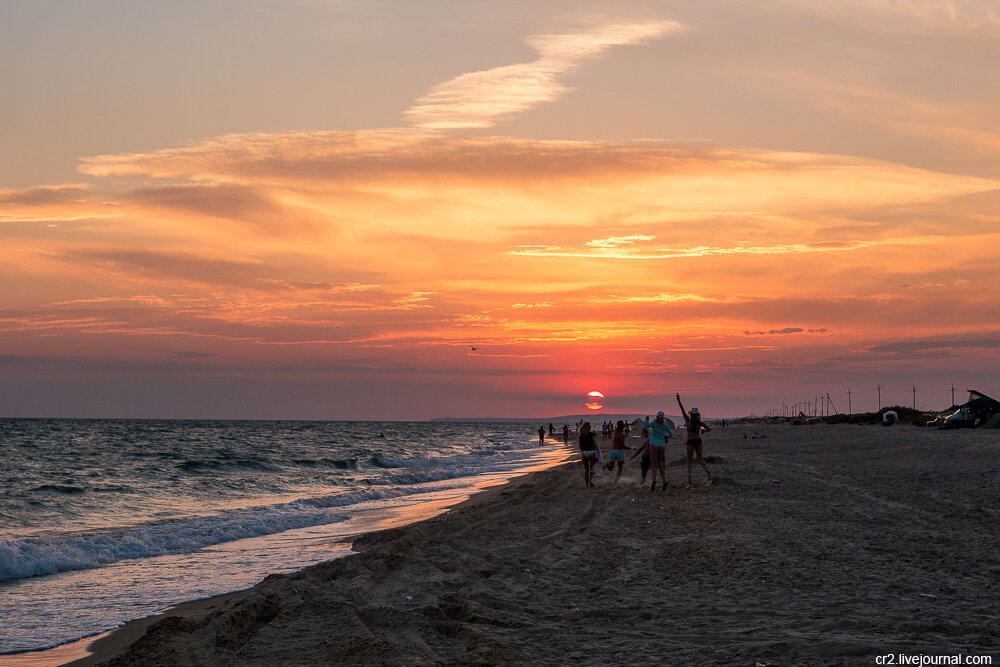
817, 545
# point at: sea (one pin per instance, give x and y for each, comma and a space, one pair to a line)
106, 521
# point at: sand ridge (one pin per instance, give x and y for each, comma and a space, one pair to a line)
818, 545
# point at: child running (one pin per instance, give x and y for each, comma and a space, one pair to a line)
694, 425
644, 461
617, 452
659, 433
588, 452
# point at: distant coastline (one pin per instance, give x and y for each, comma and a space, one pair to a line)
563, 419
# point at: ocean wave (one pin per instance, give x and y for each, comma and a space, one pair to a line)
58, 488
32, 557
217, 464
340, 464
37, 556
492, 458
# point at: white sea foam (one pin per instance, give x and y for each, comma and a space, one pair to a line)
190, 490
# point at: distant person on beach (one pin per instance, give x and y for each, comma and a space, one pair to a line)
617, 453
644, 462
588, 452
565, 432
552, 430
659, 433
541, 434
695, 427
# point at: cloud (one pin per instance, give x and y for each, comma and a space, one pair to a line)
402, 243
51, 203
964, 14
482, 99
45, 195
904, 347
225, 201
785, 331
616, 241
613, 251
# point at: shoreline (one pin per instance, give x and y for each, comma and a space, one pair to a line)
816, 545
101, 646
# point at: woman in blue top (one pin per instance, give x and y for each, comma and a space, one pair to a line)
659, 433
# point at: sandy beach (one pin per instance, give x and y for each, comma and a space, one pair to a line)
817, 545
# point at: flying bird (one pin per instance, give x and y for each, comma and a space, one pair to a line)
474, 348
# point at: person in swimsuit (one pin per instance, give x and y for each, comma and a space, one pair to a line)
588, 452
617, 453
659, 433
695, 427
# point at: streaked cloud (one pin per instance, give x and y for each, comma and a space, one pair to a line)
784, 332
352, 253
482, 99
965, 14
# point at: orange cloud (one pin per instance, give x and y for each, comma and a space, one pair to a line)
366, 252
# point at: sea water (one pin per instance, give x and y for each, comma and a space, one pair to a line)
105, 521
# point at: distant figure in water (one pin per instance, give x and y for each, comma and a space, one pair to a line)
381, 435
617, 453
565, 433
541, 434
659, 433
552, 430
588, 452
695, 427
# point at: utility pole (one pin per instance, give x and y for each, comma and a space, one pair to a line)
953, 394
850, 411
879, 387
830, 402
914, 398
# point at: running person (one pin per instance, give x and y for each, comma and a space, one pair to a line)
644, 462
659, 433
588, 451
617, 452
695, 427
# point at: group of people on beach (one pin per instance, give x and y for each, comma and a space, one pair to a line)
653, 448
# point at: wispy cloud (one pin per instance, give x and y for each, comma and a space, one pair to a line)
964, 14
785, 331
482, 99
49, 203
613, 251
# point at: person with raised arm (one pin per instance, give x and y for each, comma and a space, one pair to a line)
695, 427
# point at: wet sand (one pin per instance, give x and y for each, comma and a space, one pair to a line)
817, 545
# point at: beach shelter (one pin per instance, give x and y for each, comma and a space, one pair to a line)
975, 412
981, 402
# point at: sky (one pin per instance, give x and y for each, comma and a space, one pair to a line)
378, 209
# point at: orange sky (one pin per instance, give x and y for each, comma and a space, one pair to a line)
347, 273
